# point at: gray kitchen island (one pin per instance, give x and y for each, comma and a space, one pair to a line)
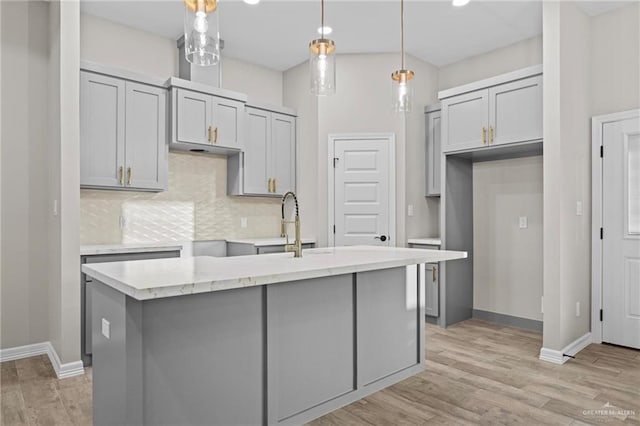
254, 340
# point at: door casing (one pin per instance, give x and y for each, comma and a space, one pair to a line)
597, 124
391, 138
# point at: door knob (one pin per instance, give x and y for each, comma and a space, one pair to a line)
382, 238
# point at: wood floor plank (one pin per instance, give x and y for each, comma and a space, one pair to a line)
477, 373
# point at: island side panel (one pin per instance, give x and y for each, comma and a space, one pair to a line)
389, 323
311, 344
203, 359
117, 360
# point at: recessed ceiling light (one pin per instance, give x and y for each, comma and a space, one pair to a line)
251, 2
457, 3
327, 30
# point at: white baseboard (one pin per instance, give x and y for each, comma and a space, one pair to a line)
63, 371
20, 352
558, 357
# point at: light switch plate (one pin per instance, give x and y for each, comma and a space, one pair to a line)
243, 222
523, 222
410, 210
578, 208
106, 328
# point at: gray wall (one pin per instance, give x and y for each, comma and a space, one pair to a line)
25, 177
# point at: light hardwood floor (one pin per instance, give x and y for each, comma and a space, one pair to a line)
477, 373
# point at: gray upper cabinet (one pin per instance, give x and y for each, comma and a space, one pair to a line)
122, 134
465, 119
206, 119
194, 112
515, 111
283, 153
266, 167
102, 109
145, 136
256, 156
433, 152
507, 110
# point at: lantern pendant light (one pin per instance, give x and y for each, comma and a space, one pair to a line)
401, 90
322, 63
201, 32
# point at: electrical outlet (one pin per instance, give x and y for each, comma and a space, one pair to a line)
123, 222
410, 210
55, 207
577, 309
243, 222
542, 304
523, 222
579, 208
106, 328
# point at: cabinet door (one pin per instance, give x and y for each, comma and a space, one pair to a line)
194, 112
432, 291
227, 119
257, 137
145, 136
283, 152
102, 115
465, 121
433, 153
515, 111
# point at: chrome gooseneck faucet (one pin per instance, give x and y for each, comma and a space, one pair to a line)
296, 247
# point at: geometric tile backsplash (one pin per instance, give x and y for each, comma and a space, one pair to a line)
195, 207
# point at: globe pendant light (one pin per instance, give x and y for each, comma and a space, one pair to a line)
201, 32
401, 90
322, 63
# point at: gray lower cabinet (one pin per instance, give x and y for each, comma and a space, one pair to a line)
86, 289
431, 284
433, 151
266, 167
122, 134
244, 249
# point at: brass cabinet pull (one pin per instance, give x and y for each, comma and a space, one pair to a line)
269, 185
129, 173
275, 186
433, 274
484, 136
209, 134
216, 138
490, 135
121, 175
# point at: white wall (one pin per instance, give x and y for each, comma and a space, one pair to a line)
567, 176
297, 96
615, 60
507, 260
24, 227
515, 56
425, 221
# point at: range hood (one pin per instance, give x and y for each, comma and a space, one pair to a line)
211, 75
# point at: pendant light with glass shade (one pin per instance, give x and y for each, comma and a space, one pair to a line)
201, 32
401, 90
322, 63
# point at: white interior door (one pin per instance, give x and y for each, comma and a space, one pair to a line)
621, 236
363, 185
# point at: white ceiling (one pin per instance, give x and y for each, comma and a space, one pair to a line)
276, 33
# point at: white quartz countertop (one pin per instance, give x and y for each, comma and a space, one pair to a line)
157, 278
264, 242
91, 250
427, 241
